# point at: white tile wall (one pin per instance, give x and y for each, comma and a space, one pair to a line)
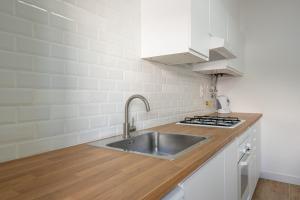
67, 68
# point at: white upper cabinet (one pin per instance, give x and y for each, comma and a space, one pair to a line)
217, 19
175, 31
219, 44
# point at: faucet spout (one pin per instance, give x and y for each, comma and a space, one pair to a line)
126, 126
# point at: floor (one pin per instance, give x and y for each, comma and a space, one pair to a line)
272, 190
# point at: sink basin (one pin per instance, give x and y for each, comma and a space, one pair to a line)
163, 145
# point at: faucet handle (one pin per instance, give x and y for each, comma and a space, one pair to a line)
132, 126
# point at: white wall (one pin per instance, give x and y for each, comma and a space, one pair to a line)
271, 84
66, 68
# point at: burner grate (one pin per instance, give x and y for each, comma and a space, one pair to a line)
212, 121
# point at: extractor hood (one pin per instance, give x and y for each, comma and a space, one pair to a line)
218, 67
220, 49
224, 58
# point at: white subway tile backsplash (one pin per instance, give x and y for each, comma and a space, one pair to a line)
75, 125
88, 136
63, 112
64, 52
14, 97
109, 61
115, 97
7, 79
31, 12
64, 141
15, 61
98, 72
67, 68
64, 10
62, 22
43, 145
8, 115
33, 113
88, 30
115, 74
16, 133
88, 110
107, 85
89, 5
98, 97
7, 6
97, 46
50, 128
99, 122
88, 57
75, 40
31, 80
76, 97
7, 41
64, 82
70, 1
30, 46
108, 109
80, 69
87, 83
116, 119
48, 34
34, 147
8, 152
49, 97
48, 65
42, 4
15, 25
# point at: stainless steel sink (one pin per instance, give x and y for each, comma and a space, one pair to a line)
163, 145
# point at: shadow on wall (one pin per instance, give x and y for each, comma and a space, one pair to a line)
269, 84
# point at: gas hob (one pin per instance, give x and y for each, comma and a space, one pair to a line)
212, 121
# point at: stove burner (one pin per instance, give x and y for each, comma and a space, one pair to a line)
211, 121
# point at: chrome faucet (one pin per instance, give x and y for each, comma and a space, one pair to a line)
127, 128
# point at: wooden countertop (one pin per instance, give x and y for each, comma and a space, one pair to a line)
86, 172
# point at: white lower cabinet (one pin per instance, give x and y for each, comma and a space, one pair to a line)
252, 175
208, 182
257, 141
218, 178
255, 164
231, 171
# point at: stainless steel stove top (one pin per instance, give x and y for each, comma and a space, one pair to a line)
212, 121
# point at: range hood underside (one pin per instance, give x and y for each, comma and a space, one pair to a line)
217, 67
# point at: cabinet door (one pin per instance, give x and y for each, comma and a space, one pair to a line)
232, 34
207, 183
232, 23
217, 19
200, 40
231, 171
255, 162
164, 28
236, 46
252, 174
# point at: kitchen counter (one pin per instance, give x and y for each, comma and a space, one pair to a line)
87, 172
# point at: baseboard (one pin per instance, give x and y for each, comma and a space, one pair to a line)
280, 177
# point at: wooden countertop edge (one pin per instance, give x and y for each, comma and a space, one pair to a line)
171, 183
